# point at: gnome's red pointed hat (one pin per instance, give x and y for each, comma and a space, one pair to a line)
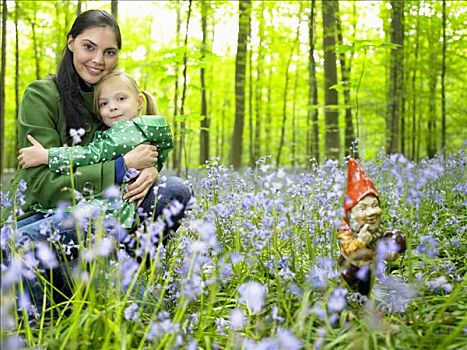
359, 185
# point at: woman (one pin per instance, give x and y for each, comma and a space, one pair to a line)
53, 110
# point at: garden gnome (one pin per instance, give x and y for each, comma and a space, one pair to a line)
361, 229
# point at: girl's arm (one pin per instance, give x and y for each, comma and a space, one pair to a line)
106, 145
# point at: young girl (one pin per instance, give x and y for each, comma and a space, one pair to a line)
118, 102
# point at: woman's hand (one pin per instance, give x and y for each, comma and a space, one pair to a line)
33, 156
138, 189
141, 157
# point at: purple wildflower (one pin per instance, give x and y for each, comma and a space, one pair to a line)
287, 340
131, 312
46, 256
112, 192
252, 294
439, 284
336, 301
237, 320
324, 271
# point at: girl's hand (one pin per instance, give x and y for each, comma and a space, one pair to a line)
141, 157
138, 189
33, 156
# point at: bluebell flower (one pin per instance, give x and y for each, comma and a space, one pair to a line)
321, 273
161, 328
24, 304
112, 192
46, 256
336, 301
287, 340
5, 236
237, 320
439, 284
128, 268
221, 323
5, 201
428, 246
252, 294
395, 294
131, 312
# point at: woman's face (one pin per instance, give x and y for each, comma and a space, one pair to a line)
94, 53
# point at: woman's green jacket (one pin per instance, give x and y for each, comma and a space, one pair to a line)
41, 116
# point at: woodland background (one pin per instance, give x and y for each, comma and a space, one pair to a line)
296, 80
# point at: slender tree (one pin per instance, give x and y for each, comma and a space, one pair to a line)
114, 8
240, 70
2, 87
251, 149
204, 123
285, 97
259, 84
396, 78
415, 69
313, 127
35, 42
16, 81
443, 85
181, 145
331, 113
79, 7
176, 161
345, 65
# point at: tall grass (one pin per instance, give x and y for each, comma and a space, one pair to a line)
252, 267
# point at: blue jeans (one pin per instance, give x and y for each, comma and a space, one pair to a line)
173, 188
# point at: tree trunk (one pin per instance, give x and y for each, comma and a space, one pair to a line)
414, 81
114, 8
176, 162
204, 123
181, 144
396, 79
240, 68
252, 159
259, 86
2, 86
293, 146
313, 127
285, 93
16, 83
78, 7
443, 85
331, 113
268, 121
36, 44
349, 139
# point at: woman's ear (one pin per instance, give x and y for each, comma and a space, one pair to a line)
70, 42
141, 100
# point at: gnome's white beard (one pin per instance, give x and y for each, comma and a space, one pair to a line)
376, 232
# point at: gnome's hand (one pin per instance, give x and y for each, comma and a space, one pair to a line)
364, 235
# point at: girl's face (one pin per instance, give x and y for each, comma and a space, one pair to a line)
118, 102
94, 53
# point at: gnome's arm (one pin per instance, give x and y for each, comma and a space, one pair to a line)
349, 243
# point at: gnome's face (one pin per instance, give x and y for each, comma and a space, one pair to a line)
367, 211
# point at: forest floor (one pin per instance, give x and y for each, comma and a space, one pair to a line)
253, 266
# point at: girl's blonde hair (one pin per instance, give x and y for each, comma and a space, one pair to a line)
151, 107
